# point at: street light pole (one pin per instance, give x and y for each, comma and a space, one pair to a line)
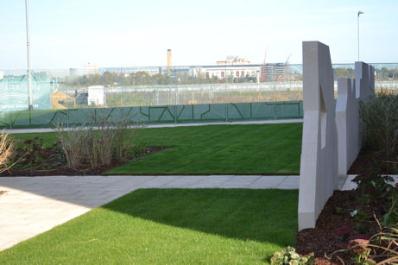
29, 71
358, 15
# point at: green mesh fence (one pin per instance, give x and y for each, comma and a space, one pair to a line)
155, 114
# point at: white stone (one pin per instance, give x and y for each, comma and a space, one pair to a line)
347, 122
318, 171
364, 81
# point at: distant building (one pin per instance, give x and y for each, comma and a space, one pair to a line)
233, 60
169, 61
62, 100
228, 71
96, 96
1, 75
89, 69
233, 67
274, 72
82, 99
151, 70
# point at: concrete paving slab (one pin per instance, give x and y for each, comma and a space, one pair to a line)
240, 182
214, 182
290, 183
267, 182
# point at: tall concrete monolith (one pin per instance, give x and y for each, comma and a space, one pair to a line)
318, 171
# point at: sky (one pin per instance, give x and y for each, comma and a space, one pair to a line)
121, 33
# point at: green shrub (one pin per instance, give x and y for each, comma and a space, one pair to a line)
94, 147
380, 120
289, 256
376, 194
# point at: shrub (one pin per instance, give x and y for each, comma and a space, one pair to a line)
377, 195
32, 155
380, 120
94, 147
289, 256
6, 149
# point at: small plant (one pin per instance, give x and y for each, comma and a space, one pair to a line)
32, 155
361, 251
380, 249
6, 150
376, 196
94, 147
289, 256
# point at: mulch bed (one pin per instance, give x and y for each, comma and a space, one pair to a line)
335, 227
334, 230
54, 167
368, 160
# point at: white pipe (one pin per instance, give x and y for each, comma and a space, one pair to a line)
29, 71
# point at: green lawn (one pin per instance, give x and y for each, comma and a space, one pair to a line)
218, 149
170, 227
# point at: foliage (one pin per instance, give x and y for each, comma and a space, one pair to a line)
380, 119
380, 249
33, 154
145, 78
376, 196
94, 147
6, 150
344, 72
289, 256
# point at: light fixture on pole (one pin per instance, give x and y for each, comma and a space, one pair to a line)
358, 15
29, 71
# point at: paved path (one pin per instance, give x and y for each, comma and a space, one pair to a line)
31, 206
172, 125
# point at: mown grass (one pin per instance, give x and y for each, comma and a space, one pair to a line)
218, 149
170, 227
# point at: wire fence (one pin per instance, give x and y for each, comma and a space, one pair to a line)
150, 89
155, 114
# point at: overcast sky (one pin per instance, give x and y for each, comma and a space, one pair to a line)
72, 33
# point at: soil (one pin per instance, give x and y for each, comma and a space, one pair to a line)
335, 228
368, 160
53, 166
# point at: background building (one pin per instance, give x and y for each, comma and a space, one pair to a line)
96, 96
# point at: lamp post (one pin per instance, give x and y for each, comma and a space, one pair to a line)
29, 71
358, 15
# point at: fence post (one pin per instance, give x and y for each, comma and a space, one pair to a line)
175, 113
226, 112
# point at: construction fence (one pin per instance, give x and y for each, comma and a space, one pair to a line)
154, 114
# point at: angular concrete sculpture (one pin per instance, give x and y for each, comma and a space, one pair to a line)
347, 122
365, 88
364, 81
318, 171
